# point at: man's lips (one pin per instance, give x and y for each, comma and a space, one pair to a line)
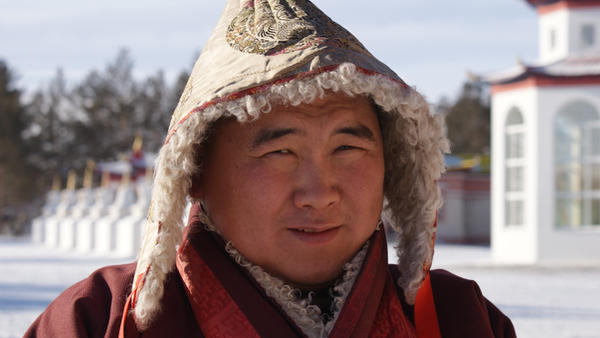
312, 229
315, 234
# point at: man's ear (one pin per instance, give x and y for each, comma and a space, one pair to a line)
196, 188
202, 152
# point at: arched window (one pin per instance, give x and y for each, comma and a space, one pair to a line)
514, 167
577, 165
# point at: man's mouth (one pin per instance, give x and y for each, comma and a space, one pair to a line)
310, 230
315, 235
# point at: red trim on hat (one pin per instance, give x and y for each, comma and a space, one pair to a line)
258, 89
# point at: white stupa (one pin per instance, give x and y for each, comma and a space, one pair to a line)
85, 199
49, 209
104, 196
68, 199
129, 229
105, 233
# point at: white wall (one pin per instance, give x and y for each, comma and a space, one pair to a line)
514, 244
557, 22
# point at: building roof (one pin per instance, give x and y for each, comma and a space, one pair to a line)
573, 66
541, 2
538, 3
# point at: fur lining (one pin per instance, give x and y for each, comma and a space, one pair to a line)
306, 316
413, 145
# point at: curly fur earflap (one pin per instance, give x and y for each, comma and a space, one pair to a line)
413, 143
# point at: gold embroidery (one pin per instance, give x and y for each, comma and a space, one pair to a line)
270, 27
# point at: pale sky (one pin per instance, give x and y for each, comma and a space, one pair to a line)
430, 43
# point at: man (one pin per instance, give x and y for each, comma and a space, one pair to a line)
295, 145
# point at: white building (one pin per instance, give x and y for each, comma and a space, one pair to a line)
546, 143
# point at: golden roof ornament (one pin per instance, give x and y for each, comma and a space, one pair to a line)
71, 180
88, 177
138, 142
56, 183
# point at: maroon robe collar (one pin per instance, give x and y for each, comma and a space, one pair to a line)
228, 302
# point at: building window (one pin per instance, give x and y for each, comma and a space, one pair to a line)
577, 165
588, 35
515, 168
552, 38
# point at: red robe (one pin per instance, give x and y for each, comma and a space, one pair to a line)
209, 295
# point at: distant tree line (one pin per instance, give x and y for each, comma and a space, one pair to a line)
61, 126
468, 119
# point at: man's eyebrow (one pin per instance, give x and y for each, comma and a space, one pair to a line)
359, 130
269, 134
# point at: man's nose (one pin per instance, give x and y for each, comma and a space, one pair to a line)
316, 185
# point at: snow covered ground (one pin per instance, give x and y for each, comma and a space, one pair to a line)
542, 301
31, 276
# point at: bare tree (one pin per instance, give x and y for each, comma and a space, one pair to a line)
17, 187
468, 120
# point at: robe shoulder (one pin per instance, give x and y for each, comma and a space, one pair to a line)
89, 308
463, 311
94, 306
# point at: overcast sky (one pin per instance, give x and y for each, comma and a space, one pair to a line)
429, 43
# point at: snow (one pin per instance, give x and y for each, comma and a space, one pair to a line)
542, 301
32, 275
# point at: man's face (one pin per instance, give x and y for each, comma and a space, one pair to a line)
299, 190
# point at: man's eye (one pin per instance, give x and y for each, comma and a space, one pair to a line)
345, 147
280, 152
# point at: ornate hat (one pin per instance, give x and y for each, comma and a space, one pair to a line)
289, 52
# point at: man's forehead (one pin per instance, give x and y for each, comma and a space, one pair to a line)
346, 111
330, 109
